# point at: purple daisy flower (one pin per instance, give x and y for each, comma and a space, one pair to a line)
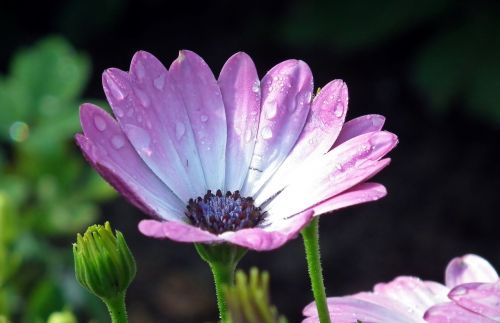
232, 159
471, 294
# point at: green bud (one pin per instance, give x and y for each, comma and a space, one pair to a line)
103, 262
62, 317
248, 299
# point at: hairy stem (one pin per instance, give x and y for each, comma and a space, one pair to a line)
310, 235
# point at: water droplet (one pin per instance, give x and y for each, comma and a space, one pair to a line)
19, 131
119, 112
338, 110
115, 89
139, 70
99, 123
459, 291
309, 97
266, 133
256, 87
237, 130
339, 167
159, 82
140, 139
143, 97
203, 118
248, 135
118, 141
271, 111
180, 129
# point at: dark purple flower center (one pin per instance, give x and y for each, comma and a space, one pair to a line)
220, 213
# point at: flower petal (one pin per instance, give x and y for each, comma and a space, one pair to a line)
203, 100
338, 170
111, 154
151, 120
351, 309
269, 238
452, 313
322, 127
412, 292
240, 88
177, 231
358, 126
469, 269
481, 298
286, 100
361, 193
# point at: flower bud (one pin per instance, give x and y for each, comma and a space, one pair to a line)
103, 262
248, 299
62, 317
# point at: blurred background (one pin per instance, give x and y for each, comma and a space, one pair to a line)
431, 67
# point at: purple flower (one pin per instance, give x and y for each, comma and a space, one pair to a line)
233, 160
471, 294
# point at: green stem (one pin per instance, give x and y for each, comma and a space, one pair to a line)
117, 309
310, 235
222, 260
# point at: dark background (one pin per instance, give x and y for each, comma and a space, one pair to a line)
432, 68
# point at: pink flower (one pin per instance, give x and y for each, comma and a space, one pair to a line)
262, 148
471, 294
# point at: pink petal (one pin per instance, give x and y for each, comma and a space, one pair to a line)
350, 309
338, 170
240, 88
111, 154
412, 292
468, 269
286, 100
361, 193
203, 100
156, 123
452, 313
323, 125
272, 237
390, 304
483, 299
358, 126
177, 231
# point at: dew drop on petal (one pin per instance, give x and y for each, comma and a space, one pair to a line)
119, 112
267, 133
140, 138
248, 135
271, 111
159, 82
118, 141
460, 291
140, 71
339, 109
116, 91
143, 97
203, 118
256, 87
180, 129
99, 123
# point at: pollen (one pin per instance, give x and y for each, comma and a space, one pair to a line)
220, 213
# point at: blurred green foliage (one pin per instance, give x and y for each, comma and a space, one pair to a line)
457, 65
47, 191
